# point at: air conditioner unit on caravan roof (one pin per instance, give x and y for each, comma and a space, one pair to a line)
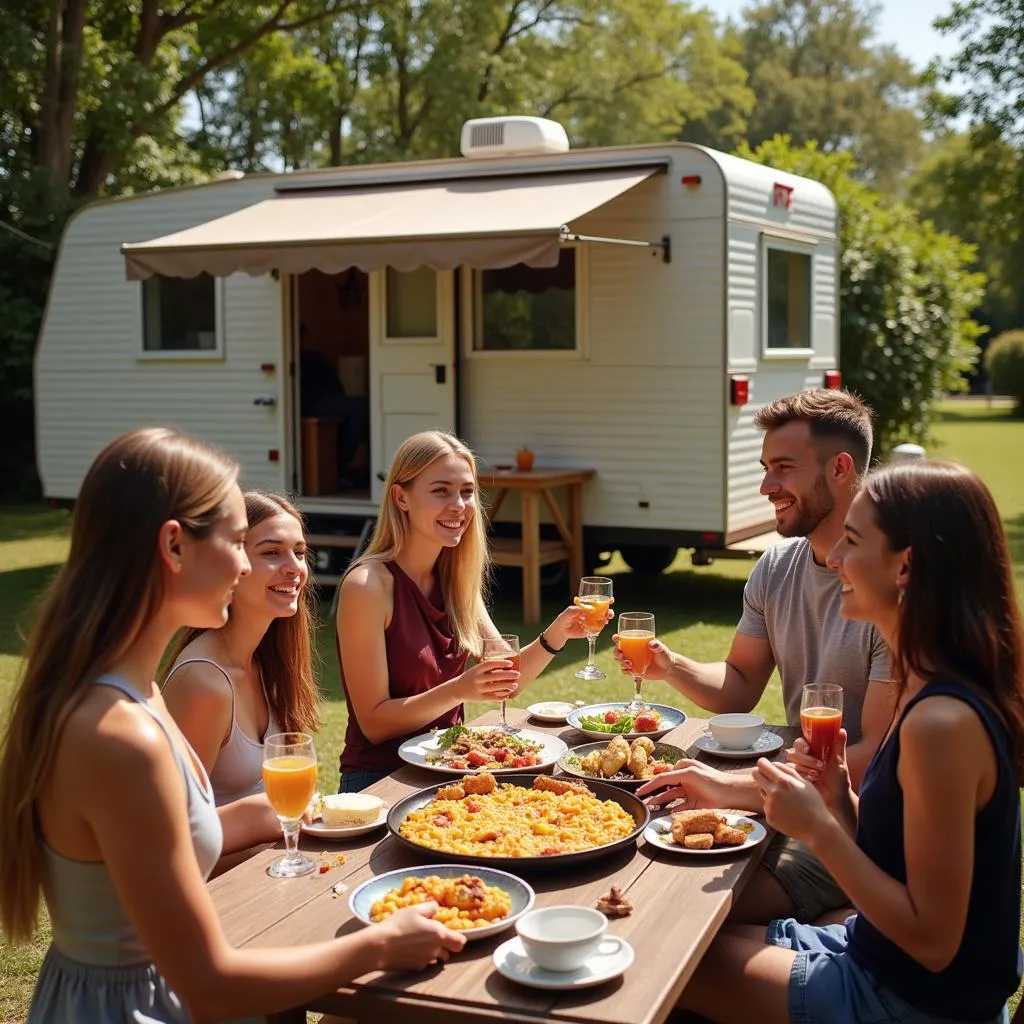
512, 136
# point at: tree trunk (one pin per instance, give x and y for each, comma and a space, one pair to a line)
55, 133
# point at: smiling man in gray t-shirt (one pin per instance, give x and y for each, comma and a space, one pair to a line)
816, 450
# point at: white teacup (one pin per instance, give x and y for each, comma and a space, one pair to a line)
562, 938
736, 732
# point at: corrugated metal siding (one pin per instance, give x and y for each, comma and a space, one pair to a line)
90, 383
645, 409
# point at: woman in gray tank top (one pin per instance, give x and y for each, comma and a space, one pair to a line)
230, 688
105, 809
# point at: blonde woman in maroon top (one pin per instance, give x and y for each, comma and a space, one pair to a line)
411, 612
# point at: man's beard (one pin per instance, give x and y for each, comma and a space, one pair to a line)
812, 511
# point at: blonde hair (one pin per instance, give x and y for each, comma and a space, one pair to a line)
463, 570
107, 592
284, 656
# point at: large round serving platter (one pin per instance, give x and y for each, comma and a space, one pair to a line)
631, 804
662, 752
418, 750
671, 718
520, 892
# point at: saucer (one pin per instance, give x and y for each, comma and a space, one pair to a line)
767, 743
613, 956
551, 710
342, 832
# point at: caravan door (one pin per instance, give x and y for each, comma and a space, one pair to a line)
412, 359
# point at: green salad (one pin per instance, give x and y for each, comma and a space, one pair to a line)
596, 723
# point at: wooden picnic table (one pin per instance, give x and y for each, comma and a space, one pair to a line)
530, 553
679, 903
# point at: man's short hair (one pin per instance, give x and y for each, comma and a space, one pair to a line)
832, 415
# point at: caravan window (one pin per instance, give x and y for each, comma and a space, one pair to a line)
179, 315
528, 309
787, 290
412, 303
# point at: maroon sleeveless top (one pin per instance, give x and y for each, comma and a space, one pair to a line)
422, 653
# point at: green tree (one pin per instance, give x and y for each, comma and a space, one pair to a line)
819, 75
906, 296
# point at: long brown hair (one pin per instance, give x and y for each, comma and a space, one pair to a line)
959, 619
462, 571
107, 592
284, 657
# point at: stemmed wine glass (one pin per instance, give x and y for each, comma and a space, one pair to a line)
595, 596
821, 717
636, 631
289, 779
502, 648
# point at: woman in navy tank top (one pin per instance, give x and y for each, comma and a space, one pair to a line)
930, 852
411, 611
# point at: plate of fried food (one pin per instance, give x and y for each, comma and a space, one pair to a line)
518, 821
620, 762
466, 748
704, 832
477, 902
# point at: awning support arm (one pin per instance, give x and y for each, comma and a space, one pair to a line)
665, 245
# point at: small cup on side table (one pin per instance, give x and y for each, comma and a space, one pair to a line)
562, 938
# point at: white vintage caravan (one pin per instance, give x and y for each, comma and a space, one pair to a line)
625, 309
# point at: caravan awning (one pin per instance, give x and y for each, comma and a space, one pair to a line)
483, 222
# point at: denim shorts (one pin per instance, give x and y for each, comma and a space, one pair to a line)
357, 779
809, 886
827, 986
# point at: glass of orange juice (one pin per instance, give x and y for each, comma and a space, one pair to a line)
636, 631
821, 715
502, 648
289, 780
595, 597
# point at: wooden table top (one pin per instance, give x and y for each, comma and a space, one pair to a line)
679, 903
534, 478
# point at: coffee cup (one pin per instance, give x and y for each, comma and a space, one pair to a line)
562, 938
736, 731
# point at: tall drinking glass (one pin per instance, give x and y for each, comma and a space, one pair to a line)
636, 631
289, 779
821, 715
502, 648
595, 597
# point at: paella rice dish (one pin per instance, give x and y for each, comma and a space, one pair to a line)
462, 903
478, 817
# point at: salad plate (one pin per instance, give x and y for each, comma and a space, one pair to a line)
603, 721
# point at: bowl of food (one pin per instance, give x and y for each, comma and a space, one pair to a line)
621, 762
736, 731
600, 721
518, 822
478, 901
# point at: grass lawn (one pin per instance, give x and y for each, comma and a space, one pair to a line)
697, 610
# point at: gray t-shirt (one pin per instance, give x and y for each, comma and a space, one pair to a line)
795, 604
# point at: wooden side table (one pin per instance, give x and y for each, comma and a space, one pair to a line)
530, 553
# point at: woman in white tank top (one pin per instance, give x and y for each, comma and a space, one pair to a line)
230, 688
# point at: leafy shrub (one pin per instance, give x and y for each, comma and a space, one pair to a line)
1004, 363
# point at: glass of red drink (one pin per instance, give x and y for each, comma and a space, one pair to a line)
502, 648
821, 715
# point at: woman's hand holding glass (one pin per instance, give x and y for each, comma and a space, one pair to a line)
658, 667
503, 650
831, 778
488, 680
791, 803
595, 601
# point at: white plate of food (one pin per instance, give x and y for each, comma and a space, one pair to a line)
704, 833
463, 748
552, 710
603, 721
620, 762
477, 901
343, 816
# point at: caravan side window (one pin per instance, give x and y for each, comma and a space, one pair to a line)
181, 316
787, 291
530, 309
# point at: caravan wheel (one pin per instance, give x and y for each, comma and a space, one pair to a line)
648, 560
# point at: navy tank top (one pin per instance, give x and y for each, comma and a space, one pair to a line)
987, 967
422, 653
